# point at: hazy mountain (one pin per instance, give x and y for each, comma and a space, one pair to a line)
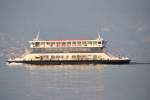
124, 23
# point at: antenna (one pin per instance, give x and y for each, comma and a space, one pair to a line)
98, 35
37, 37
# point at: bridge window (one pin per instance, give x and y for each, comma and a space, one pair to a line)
99, 42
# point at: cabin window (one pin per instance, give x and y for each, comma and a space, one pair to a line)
63, 43
47, 43
68, 43
73, 56
37, 43
52, 43
42, 43
99, 42
73, 43
37, 57
33, 43
53, 57
90, 42
61, 56
84, 43
67, 57
58, 43
45, 50
57, 56
94, 42
79, 43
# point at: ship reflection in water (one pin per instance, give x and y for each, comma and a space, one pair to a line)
57, 67
63, 82
75, 82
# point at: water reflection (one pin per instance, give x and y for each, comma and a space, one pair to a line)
57, 67
64, 82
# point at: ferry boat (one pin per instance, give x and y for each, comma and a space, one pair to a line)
57, 52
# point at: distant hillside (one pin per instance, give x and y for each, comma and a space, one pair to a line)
11, 44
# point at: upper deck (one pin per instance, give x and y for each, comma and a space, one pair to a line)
99, 42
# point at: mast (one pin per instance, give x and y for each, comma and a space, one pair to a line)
37, 37
99, 37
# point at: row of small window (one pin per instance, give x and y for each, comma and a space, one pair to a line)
59, 56
73, 56
67, 43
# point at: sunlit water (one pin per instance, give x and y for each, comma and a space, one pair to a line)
74, 82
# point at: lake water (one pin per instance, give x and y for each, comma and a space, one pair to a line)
125, 24
74, 82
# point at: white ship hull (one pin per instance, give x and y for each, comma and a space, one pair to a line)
70, 58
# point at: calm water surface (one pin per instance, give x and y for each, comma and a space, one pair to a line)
75, 82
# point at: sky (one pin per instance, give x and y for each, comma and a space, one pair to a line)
124, 23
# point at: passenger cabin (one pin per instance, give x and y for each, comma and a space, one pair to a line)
99, 42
